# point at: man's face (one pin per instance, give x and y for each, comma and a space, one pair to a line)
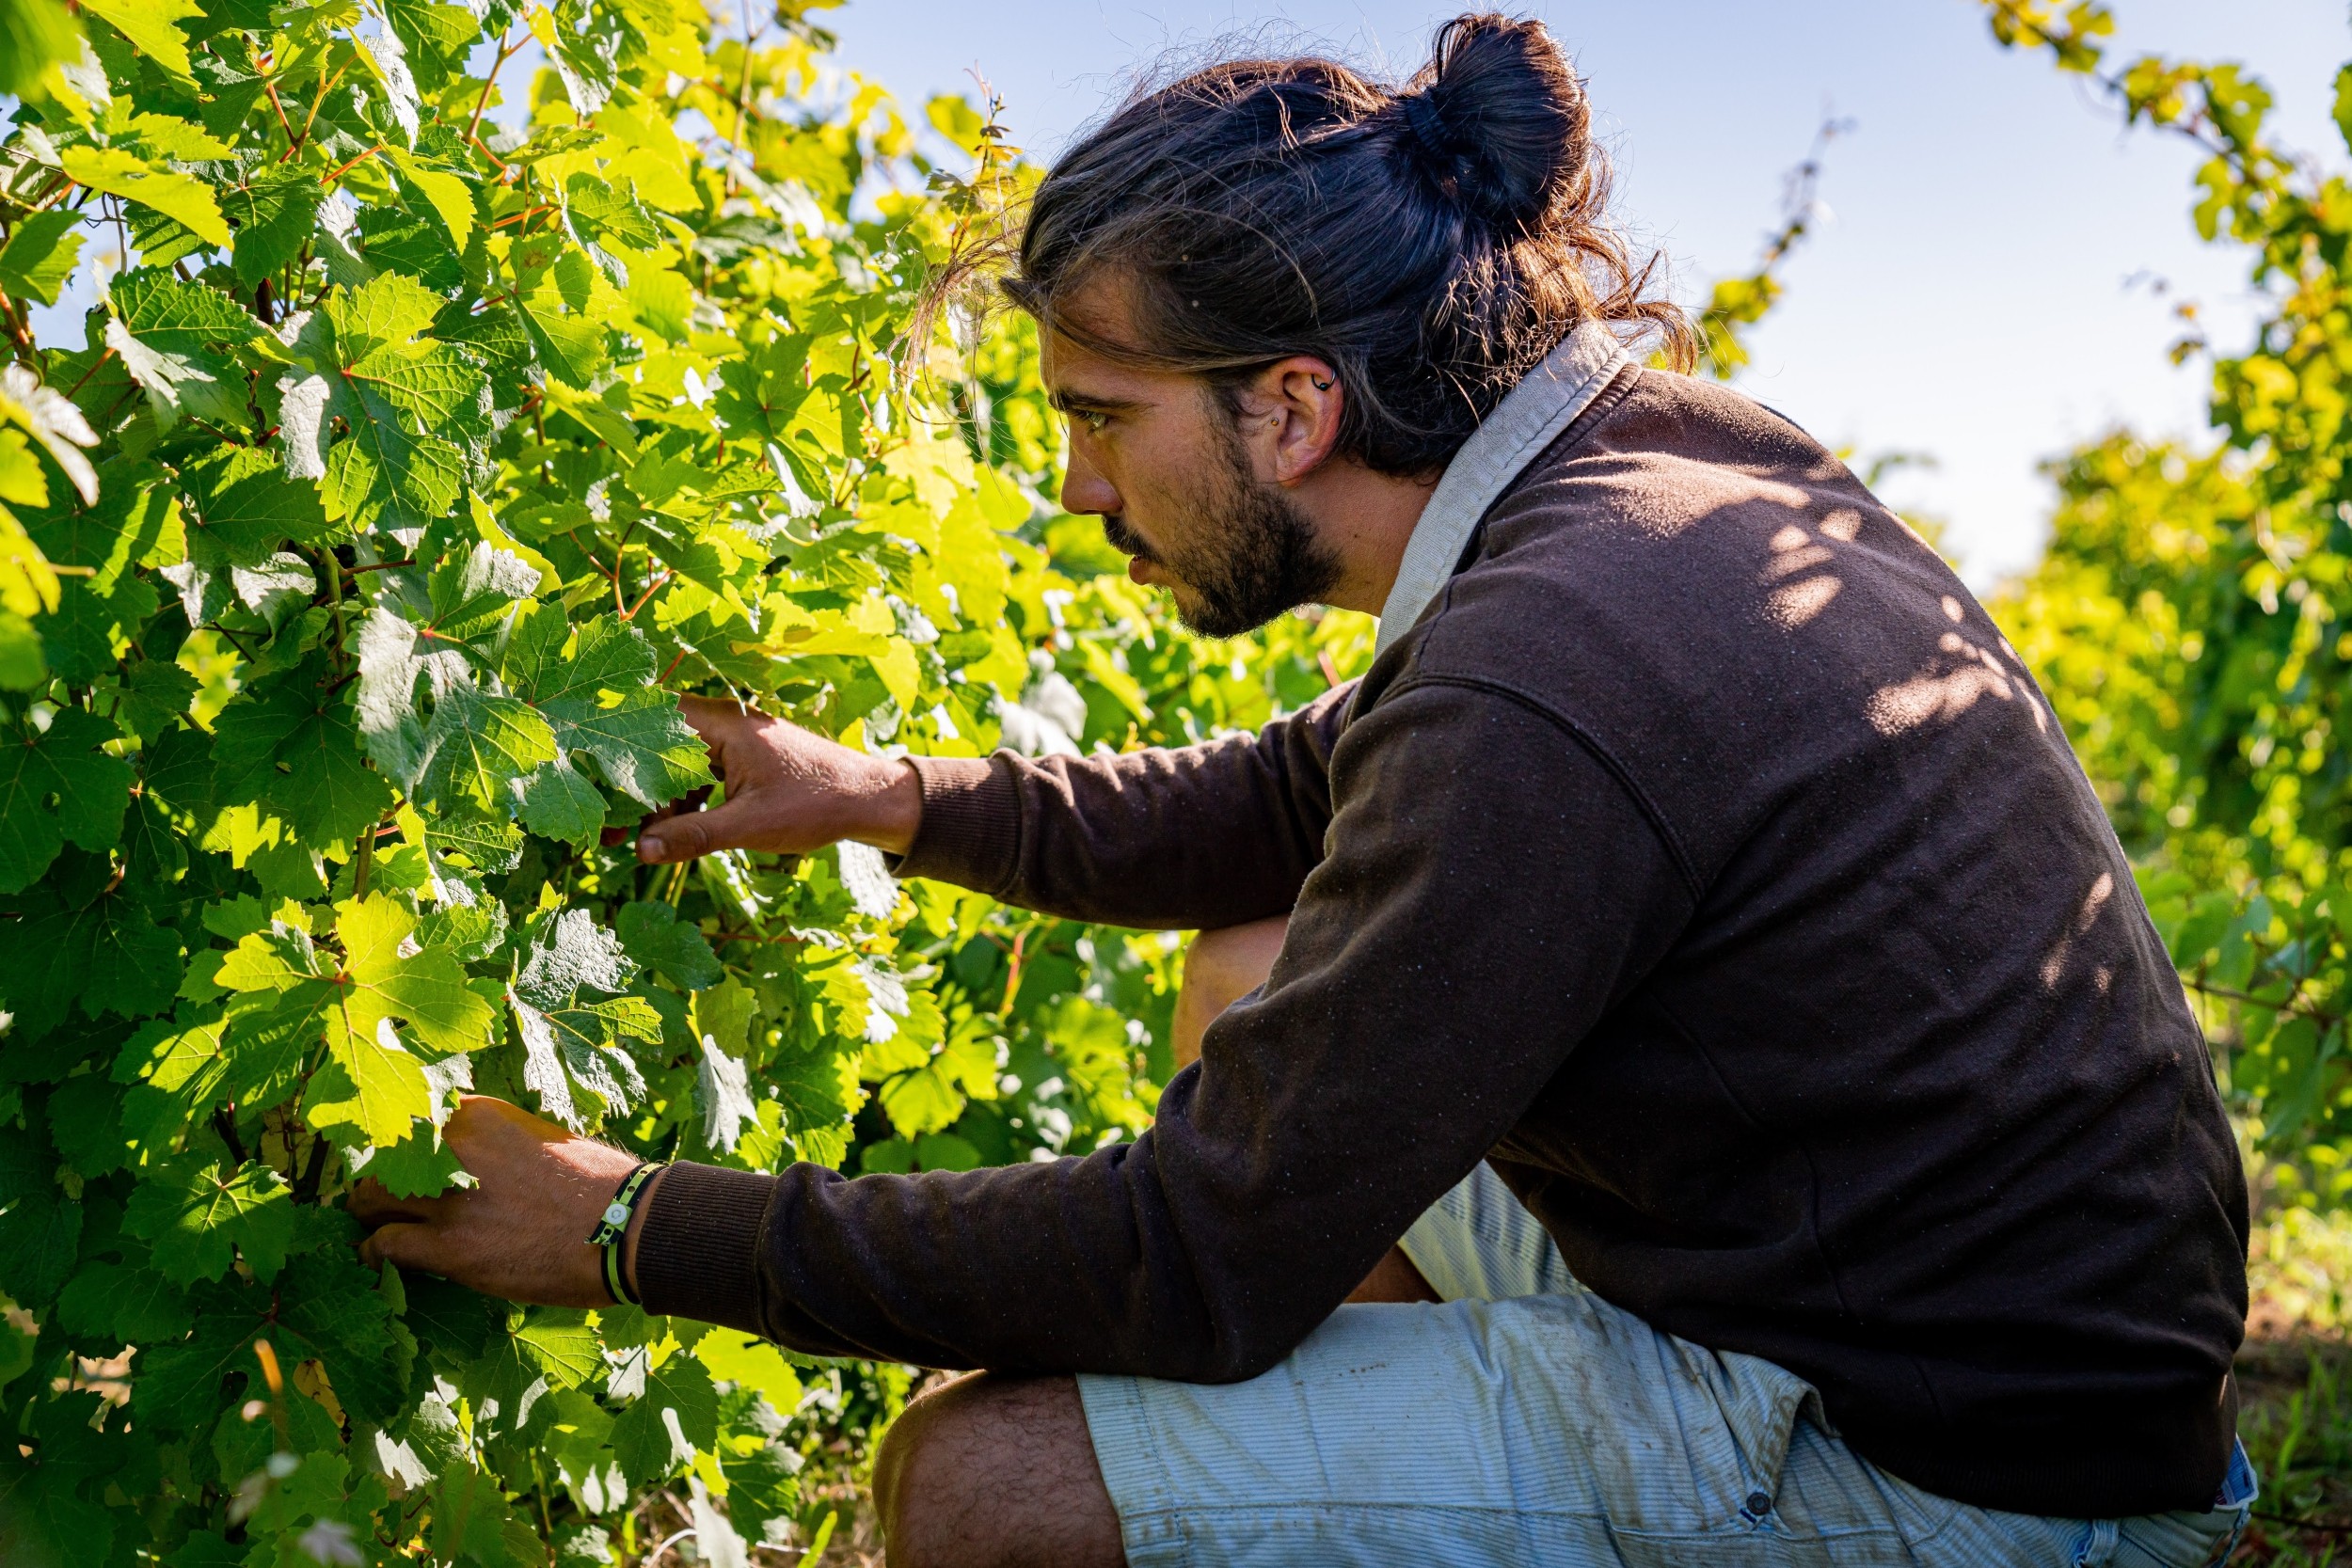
1157, 457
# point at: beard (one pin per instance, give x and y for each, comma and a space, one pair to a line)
1252, 555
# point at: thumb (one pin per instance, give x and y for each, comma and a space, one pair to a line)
729, 825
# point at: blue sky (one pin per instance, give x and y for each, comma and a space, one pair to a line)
1985, 294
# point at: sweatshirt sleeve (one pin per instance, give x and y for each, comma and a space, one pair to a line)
1203, 836
1491, 890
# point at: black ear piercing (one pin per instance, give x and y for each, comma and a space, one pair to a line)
1320, 385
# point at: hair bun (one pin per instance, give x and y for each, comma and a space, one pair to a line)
1501, 116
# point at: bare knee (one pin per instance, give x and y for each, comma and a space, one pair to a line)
1221, 967
995, 1472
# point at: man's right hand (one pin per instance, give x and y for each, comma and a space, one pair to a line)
788, 791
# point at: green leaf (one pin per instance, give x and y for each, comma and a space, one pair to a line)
136, 1306
764, 1486
657, 938
153, 26
427, 990
451, 197
242, 498
172, 314
371, 1084
571, 1018
40, 255
419, 1166
395, 394
40, 1237
677, 1390
602, 701
570, 346
54, 786
289, 742
557, 802
43, 1522
275, 210
478, 747
330, 1303
181, 198
199, 1224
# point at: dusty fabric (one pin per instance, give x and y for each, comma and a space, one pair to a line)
1705, 859
1527, 1423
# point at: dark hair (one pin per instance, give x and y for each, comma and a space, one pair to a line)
1433, 242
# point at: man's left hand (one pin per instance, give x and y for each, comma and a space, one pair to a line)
521, 1233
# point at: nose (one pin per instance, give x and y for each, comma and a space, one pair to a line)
1083, 487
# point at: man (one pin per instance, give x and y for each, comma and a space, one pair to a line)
1716, 1039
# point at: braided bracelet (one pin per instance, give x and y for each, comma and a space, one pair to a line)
613, 1225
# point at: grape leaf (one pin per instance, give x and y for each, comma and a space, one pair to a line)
153, 25
600, 700
54, 786
40, 1237
478, 747
199, 1222
572, 1020
44, 1523
181, 198
108, 953
373, 1082
653, 935
276, 209
39, 256
136, 1306
677, 1413
289, 742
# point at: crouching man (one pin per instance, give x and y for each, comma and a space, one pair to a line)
1716, 1038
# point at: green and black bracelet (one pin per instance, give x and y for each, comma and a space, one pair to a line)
614, 1225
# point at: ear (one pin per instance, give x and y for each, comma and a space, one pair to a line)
1290, 418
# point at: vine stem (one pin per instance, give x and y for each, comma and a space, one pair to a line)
342, 169
326, 84
269, 85
482, 100
651, 589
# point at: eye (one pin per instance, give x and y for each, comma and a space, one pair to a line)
1094, 419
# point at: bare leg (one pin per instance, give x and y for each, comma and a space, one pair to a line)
995, 1472
999, 1472
1222, 967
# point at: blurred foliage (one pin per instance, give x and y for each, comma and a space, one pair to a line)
2189, 619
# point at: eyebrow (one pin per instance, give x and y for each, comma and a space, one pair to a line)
1067, 400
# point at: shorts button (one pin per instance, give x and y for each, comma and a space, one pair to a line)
1759, 1504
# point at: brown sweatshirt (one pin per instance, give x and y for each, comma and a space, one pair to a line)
1705, 860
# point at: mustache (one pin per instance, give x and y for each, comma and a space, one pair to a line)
1126, 539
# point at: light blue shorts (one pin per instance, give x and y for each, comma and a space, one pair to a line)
1527, 1421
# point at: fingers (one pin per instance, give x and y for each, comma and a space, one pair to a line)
371, 1205
406, 1247
690, 801
482, 1122
715, 721
729, 825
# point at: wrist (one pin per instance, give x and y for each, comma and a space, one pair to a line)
890, 811
699, 1255
636, 1229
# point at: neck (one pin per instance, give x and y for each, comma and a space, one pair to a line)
1366, 519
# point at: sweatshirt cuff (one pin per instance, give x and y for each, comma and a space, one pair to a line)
971, 829
698, 1254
